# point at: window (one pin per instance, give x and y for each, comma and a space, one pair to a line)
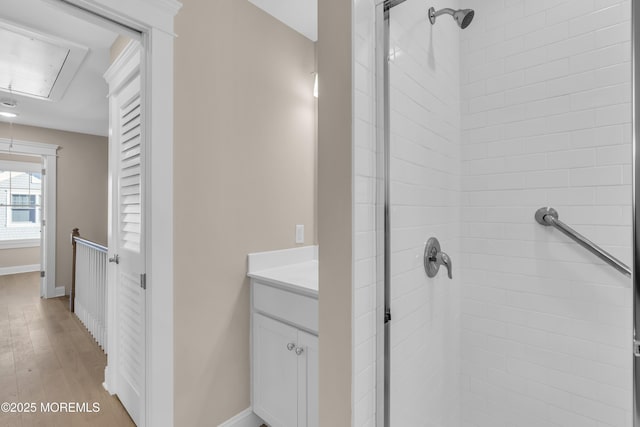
23, 209
20, 203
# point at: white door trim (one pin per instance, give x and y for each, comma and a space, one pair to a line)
48, 153
27, 147
50, 163
154, 19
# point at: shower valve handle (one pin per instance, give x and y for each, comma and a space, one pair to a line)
434, 258
444, 259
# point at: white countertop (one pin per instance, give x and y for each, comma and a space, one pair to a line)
292, 269
301, 277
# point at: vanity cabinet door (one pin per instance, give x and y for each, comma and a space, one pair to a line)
308, 380
275, 371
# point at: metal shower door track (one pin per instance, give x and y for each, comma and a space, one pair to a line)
635, 57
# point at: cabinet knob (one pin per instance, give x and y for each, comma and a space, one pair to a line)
299, 350
290, 346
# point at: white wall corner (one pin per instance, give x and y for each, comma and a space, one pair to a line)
245, 418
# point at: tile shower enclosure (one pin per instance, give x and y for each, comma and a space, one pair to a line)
529, 106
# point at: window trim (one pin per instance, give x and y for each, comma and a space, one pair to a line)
19, 243
16, 166
47, 153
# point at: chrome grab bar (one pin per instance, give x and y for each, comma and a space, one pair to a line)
549, 217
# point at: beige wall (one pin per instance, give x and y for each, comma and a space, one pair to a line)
19, 256
81, 188
244, 177
117, 47
335, 210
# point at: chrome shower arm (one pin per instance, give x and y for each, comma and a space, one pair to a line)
446, 10
463, 17
433, 14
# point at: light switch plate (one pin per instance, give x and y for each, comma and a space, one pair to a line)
299, 233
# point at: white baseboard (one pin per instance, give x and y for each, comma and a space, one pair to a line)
245, 418
60, 291
19, 269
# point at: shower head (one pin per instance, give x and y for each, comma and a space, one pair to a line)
462, 16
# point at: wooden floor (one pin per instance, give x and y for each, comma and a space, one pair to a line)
47, 356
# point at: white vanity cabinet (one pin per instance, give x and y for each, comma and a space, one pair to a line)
284, 339
285, 374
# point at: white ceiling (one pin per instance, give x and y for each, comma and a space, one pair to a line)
301, 15
84, 106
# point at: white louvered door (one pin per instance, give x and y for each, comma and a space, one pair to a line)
127, 238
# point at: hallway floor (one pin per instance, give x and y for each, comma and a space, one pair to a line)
48, 357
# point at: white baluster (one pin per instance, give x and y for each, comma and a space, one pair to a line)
91, 291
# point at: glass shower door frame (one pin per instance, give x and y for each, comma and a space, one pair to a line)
635, 81
383, 261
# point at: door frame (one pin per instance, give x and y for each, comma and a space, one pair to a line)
48, 154
635, 134
153, 20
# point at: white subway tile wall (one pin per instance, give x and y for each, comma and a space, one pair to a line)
546, 326
425, 195
533, 330
364, 195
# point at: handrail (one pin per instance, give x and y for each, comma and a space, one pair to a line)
549, 217
91, 244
